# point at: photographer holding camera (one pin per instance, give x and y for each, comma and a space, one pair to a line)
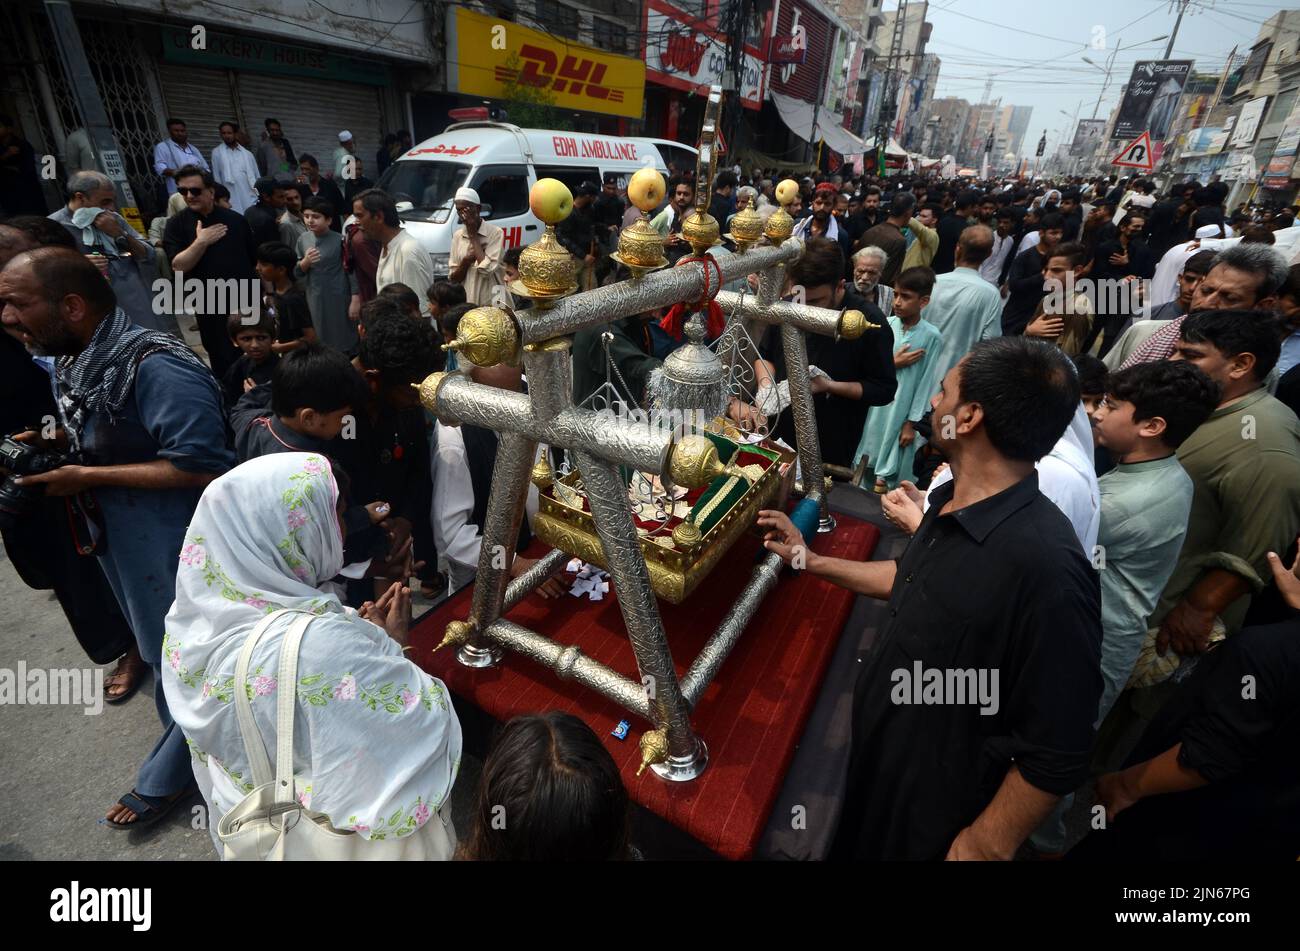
143, 424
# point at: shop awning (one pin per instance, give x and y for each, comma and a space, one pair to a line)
811, 124
892, 150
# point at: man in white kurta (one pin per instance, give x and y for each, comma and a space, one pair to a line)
404, 261
236, 168
477, 248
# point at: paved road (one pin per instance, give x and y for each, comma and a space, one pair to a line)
60, 769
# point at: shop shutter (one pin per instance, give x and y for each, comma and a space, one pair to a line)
312, 112
202, 98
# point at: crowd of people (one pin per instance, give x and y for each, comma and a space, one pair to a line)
1102, 489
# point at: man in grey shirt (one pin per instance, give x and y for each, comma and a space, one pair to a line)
91, 215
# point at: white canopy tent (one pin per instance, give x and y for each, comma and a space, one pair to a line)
811, 124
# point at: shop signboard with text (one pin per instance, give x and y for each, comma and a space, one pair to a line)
489, 56
1278, 173
806, 80
682, 53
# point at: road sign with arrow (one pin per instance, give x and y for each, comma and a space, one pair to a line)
1137, 154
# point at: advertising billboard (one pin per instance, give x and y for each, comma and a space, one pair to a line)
492, 55
1151, 98
1087, 136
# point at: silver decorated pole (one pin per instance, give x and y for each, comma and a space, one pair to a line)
805, 419
500, 535
607, 495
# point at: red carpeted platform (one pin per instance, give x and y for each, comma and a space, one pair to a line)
750, 717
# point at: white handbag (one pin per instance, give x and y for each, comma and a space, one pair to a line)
270, 823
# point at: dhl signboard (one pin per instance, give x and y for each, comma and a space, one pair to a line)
491, 53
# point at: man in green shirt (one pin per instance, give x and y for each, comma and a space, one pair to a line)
1245, 465
1148, 412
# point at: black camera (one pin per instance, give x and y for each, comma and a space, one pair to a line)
22, 459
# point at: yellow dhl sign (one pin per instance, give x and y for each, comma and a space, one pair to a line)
491, 54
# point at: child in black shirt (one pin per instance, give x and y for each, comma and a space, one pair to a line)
253, 335
282, 298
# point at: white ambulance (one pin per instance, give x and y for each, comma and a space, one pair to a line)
502, 162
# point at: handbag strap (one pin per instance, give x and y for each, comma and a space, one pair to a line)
254, 748
286, 703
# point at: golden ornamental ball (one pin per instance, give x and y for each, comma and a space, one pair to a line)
701, 231
779, 226
428, 388
746, 226
639, 245
486, 336
694, 462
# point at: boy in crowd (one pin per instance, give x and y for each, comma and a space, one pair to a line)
373, 310
1244, 462
282, 298
444, 295
388, 457
305, 408
511, 264
889, 439
253, 337
1148, 412
1064, 315
448, 322
311, 390
407, 301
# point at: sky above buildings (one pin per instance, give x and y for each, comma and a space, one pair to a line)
1033, 50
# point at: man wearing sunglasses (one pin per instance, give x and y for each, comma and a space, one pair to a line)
210, 244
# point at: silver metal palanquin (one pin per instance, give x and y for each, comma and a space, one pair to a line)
600, 443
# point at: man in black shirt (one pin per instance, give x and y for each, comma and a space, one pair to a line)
208, 243
577, 234
860, 372
608, 210
723, 203
317, 187
974, 712
950, 228
387, 457
1215, 775
1072, 213
866, 217
1025, 279
264, 217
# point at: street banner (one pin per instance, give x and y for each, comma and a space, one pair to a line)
1087, 135
492, 56
1151, 98
1247, 127
1137, 154
1277, 174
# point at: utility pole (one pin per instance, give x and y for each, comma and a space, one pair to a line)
734, 22
892, 76
1110, 63
1182, 8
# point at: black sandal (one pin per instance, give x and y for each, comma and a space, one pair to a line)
148, 810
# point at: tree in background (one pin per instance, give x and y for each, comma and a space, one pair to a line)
531, 107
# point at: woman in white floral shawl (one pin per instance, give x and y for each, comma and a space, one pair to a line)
377, 745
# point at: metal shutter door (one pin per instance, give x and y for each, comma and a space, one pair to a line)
312, 112
201, 98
